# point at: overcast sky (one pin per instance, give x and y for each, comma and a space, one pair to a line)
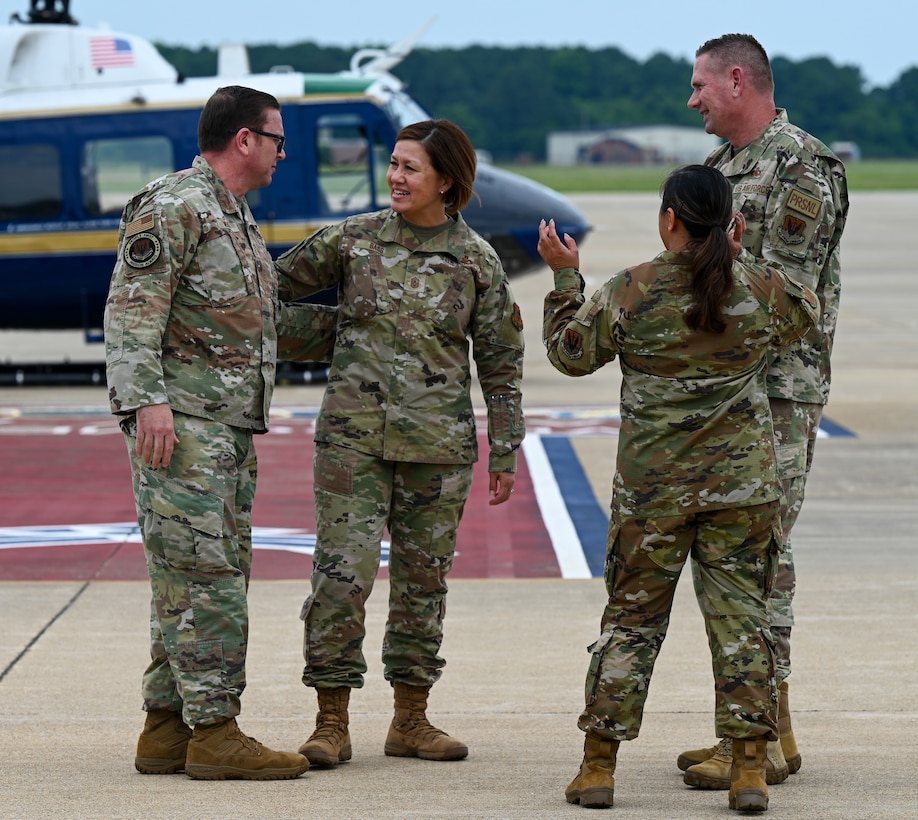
876, 36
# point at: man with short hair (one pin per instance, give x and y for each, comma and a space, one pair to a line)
792, 191
191, 334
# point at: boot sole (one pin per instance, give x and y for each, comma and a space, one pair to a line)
152, 765
199, 772
749, 800
700, 781
793, 764
592, 798
317, 758
400, 750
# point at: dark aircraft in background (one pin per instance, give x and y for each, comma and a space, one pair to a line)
88, 116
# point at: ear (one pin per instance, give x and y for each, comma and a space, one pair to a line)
737, 80
242, 141
670, 220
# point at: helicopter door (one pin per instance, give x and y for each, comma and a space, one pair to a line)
32, 188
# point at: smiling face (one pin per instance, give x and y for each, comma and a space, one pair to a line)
712, 96
415, 187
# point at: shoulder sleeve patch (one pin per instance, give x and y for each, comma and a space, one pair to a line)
142, 250
517, 317
142, 246
804, 203
142, 223
572, 344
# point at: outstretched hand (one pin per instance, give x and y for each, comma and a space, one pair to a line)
557, 253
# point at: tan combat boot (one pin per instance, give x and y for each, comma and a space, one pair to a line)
748, 791
594, 785
330, 743
220, 751
162, 743
693, 756
714, 773
411, 735
786, 731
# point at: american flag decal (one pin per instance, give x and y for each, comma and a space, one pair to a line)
110, 52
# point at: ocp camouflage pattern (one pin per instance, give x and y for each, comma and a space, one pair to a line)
793, 193
696, 431
191, 312
400, 378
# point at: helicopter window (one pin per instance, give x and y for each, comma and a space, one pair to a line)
31, 188
350, 171
113, 170
404, 110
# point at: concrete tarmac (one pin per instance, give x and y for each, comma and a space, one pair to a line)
71, 654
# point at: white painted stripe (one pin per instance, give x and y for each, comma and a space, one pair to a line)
561, 530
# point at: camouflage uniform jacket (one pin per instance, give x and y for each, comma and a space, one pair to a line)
696, 430
399, 385
793, 192
191, 311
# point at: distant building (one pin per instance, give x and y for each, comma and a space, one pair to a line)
644, 145
846, 151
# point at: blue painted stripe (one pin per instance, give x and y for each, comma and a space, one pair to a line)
591, 523
833, 430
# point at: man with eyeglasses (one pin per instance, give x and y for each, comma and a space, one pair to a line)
192, 332
280, 139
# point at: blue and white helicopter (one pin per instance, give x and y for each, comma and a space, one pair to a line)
89, 115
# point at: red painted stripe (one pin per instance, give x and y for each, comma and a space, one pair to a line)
74, 470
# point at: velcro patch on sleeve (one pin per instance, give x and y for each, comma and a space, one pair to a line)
804, 203
517, 317
572, 344
139, 225
142, 250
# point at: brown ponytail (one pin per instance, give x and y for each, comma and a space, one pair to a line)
701, 198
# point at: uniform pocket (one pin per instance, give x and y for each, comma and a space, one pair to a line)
366, 289
220, 274
612, 537
183, 525
594, 674
791, 459
305, 612
331, 474
775, 548
452, 311
199, 656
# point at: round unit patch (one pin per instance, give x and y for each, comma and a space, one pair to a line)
142, 250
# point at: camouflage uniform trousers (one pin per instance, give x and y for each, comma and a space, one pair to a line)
195, 518
736, 553
357, 497
796, 426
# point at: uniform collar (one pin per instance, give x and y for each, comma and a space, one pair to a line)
229, 202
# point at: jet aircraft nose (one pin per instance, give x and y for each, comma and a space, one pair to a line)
507, 212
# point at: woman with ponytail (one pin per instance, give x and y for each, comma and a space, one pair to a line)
695, 476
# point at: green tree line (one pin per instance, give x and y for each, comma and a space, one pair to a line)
510, 99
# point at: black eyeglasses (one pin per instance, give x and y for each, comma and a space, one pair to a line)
281, 140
